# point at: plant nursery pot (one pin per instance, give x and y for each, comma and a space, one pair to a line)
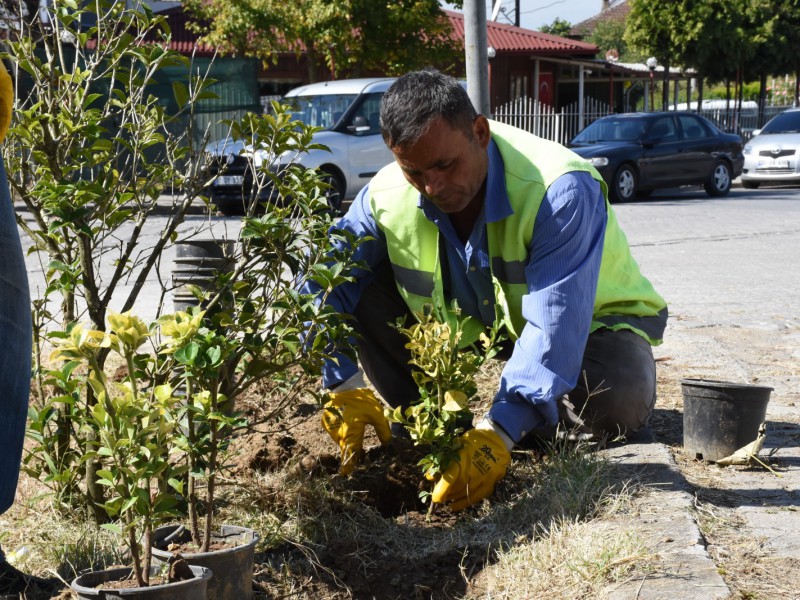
89, 586
198, 262
232, 567
720, 417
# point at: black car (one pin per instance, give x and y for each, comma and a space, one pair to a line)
637, 153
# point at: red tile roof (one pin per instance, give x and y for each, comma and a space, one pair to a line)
516, 40
183, 40
503, 38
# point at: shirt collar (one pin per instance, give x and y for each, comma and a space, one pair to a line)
497, 206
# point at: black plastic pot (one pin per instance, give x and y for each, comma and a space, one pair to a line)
232, 567
720, 417
198, 262
86, 586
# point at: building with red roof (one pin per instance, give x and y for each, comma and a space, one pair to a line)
518, 58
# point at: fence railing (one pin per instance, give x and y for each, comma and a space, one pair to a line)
563, 124
741, 122
547, 122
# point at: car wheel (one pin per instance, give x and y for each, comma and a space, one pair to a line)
750, 185
335, 193
623, 188
719, 182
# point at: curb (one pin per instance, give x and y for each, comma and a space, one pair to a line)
663, 520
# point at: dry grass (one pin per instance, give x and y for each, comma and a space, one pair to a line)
742, 560
569, 559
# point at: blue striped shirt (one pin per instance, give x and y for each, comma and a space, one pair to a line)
562, 272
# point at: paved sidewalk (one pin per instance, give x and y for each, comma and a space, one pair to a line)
663, 518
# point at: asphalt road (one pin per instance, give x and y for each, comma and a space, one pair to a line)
732, 261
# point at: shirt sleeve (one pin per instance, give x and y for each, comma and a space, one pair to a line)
562, 274
358, 221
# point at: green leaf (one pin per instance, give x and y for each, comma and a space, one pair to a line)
188, 353
181, 94
112, 527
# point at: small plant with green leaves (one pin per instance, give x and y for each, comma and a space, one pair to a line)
136, 420
445, 368
207, 424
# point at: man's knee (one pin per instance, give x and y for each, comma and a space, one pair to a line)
616, 390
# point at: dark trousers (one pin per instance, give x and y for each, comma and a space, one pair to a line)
615, 393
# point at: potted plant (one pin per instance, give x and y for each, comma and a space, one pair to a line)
200, 354
252, 331
135, 421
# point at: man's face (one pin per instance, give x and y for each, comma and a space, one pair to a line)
445, 165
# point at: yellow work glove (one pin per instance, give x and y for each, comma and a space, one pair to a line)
346, 415
482, 461
6, 100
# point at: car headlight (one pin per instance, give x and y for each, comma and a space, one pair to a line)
747, 149
597, 161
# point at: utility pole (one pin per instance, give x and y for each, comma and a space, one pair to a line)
476, 55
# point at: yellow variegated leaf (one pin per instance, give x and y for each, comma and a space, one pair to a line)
454, 400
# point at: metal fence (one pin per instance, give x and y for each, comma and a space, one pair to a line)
561, 125
547, 122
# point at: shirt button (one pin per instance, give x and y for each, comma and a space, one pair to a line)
472, 269
486, 303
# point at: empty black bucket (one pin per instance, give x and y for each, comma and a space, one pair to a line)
198, 262
720, 417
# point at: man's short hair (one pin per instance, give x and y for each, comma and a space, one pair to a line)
412, 102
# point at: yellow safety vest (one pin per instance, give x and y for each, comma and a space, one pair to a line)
624, 298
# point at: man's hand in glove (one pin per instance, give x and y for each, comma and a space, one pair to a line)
346, 415
482, 461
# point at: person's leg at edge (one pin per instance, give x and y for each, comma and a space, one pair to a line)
15, 372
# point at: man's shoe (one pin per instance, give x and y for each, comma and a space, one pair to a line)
14, 581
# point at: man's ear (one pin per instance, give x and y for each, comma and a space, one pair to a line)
481, 131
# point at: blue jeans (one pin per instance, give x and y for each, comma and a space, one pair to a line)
16, 336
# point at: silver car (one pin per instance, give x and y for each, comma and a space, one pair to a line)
773, 154
348, 111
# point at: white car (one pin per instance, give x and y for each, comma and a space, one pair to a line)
773, 154
348, 111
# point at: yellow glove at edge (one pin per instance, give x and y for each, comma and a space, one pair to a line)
482, 462
345, 417
6, 100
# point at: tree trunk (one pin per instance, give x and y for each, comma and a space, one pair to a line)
762, 99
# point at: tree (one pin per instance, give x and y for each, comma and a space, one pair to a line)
609, 35
651, 29
787, 41
557, 27
723, 39
347, 36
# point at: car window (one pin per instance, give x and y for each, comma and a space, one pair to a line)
320, 111
610, 129
663, 129
367, 115
692, 127
787, 122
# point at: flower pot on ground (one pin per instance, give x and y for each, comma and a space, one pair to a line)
198, 264
231, 558
90, 586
